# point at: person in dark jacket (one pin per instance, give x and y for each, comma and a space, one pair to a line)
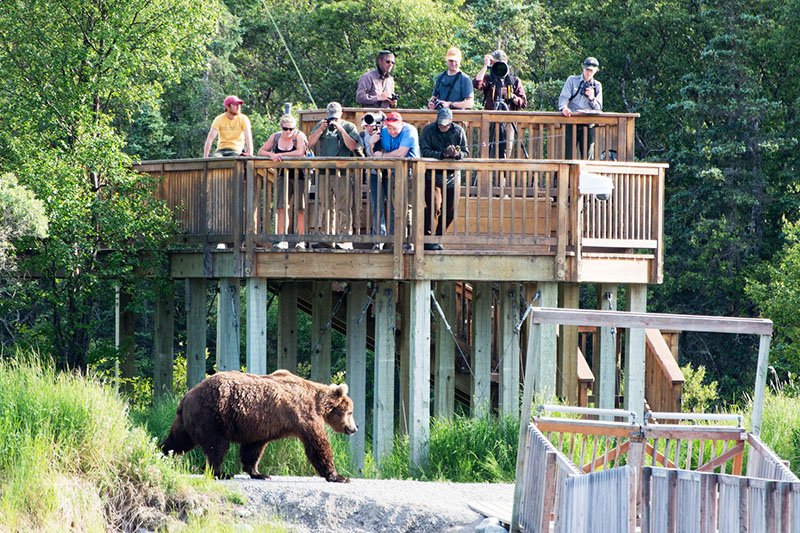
441, 140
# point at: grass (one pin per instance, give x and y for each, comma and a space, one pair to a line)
70, 458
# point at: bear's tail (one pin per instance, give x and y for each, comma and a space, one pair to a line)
178, 440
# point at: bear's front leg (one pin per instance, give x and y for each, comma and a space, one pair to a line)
319, 453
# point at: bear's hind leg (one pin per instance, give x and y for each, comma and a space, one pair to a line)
251, 455
215, 450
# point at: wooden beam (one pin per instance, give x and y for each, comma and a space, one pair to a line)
124, 339
256, 330
542, 348
567, 384
406, 340
445, 379
228, 319
162, 342
287, 326
761, 385
625, 319
420, 375
321, 332
383, 408
196, 330
481, 348
509, 349
605, 395
635, 353
357, 300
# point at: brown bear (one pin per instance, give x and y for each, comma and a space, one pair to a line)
256, 410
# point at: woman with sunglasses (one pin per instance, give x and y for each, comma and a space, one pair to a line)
293, 143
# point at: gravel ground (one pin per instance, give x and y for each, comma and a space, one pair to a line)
308, 504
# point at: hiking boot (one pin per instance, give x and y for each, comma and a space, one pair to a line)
283, 245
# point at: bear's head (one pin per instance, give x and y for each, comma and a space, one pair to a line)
338, 410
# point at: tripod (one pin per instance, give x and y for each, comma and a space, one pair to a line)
500, 105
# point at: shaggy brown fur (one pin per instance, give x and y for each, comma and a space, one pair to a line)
256, 410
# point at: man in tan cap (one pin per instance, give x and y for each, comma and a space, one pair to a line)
453, 88
581, 94
233, 129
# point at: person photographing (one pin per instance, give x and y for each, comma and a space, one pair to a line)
581, 94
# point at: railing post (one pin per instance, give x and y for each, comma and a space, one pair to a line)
251, 215
418, 217
238, 213
563, 216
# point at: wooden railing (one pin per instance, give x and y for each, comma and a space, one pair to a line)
501, 207
536, 135
664, 379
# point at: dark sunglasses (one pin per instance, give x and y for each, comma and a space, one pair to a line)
389, 61
284, 128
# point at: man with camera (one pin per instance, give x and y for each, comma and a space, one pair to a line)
453, 88
582, 94
502, 91
233, 129
376, 87
335, 137
441, 140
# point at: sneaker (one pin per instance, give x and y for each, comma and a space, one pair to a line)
300, 246
283, 245
378, 246
408, 247
343, 245
433, 246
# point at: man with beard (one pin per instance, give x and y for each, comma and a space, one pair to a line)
233, 129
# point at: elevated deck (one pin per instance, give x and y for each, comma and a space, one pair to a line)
514, 220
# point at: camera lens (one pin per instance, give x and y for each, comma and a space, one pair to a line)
331, 126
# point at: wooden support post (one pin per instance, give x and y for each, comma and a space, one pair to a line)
162, 342
481, 348
287, 326
761, 384
321, 332
406, 340
444, 382
256, 346
605, 362
542, 349
228, 325
196, 330
124, 336
569, 296
357, 368
509, 349
420, 374
383, 407
635, 354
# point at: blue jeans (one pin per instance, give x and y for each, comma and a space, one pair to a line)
379, 208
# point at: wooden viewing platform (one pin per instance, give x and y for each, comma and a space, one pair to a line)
523, 234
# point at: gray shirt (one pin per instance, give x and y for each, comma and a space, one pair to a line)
372, 84
579, 102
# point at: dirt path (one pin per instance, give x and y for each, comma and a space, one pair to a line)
369, 505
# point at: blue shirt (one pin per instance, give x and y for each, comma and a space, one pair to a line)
406, 137
455, 88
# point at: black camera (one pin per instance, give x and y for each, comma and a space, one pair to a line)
500, 69
394, 97
330, 121
437, 104
374, 119
586, 85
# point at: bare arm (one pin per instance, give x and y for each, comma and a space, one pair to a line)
317, 133
267, 147
212, 134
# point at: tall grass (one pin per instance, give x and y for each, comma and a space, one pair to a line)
71, 459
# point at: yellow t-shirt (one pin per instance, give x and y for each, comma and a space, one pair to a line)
231, 132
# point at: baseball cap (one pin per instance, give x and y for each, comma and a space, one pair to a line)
445, 117
334, 110
591, 62
232, 99
499, 55
394, 116
453, 53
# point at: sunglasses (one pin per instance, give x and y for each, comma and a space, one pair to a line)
285, 128
389, 61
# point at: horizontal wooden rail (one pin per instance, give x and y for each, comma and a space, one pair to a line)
625, 319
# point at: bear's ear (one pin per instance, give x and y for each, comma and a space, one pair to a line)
340, 390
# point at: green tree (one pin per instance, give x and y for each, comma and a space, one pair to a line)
21, 215
70, 70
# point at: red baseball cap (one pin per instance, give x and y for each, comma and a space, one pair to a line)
232, 100
394, 116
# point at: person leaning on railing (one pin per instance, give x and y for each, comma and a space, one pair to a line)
581, 94
288, 142
441, 140
233, 129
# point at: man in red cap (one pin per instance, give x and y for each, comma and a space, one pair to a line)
233, 129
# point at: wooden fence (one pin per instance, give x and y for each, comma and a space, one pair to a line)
533, 135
